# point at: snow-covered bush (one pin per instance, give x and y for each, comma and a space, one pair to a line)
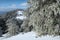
45, 16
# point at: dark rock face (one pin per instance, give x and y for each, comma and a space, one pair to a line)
3, 26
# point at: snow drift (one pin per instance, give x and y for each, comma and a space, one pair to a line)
31, 36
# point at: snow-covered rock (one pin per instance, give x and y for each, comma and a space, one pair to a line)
19, 12
20, 15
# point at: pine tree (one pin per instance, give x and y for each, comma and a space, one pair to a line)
13, 28
45, 16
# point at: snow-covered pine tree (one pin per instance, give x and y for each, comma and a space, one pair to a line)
13, 28
45, 16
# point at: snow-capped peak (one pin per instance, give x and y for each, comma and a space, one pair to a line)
20, 15
19, 12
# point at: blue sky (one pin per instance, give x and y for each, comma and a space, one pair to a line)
12, 4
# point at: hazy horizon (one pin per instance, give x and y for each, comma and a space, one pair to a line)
12, 4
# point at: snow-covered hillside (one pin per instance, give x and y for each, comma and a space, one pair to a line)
30, 36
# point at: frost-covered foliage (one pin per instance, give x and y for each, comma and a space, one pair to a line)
44, 15
13, 28
46, 21
25, 26
38, 4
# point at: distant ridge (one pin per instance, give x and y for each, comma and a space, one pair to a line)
11, 13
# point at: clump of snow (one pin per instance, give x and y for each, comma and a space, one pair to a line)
1, 38
20, 15
19, 12
31, 36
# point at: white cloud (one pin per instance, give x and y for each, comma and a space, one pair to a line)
23, 4
12, 6
2, 8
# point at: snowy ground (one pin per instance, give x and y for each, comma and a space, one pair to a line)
30, 36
